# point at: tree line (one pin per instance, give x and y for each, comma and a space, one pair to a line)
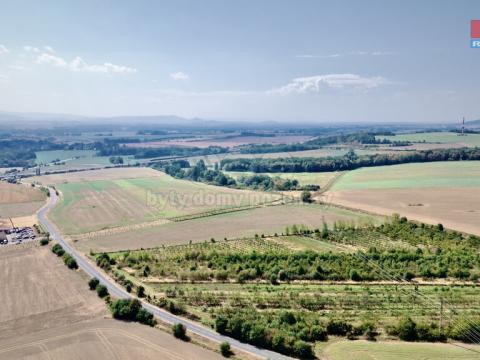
348, 162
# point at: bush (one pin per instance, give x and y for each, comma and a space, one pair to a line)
338, 327
70, 261
57, 249
179, 331
102, 290
44, 241
92, 283
303, 350
131, 310
141, 291
406, 329
225, 349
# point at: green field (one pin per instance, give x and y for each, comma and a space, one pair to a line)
434, 174
436, 137
303, 178
75, 158
95, 205
368, 350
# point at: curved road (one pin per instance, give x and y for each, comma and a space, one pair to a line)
118, 292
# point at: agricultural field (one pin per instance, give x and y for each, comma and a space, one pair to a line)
262, 220
18, 200
48, 312
286, 287
441, 192
210, 160
367, 350
450, 138
230, 141
106, 199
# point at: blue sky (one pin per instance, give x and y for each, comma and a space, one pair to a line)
323, 61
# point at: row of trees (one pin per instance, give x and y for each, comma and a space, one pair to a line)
317, 143
348, 162
181, 169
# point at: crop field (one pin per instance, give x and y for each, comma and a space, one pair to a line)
318, 153
99, 204
49, 313
17, 200
230, 141
263, 220
437, 137
367, 350
443, 192
451, 174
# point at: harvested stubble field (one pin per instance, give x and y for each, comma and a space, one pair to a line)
17, 200
48, 312
114, 201
224, 141
318, 153
443, 192
264, 220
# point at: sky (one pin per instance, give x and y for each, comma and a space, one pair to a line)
316, 61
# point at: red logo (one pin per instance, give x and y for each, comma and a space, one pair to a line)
475, 29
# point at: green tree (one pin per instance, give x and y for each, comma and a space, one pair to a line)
102, 290
225, 349
93, 282
306, 196
179, 331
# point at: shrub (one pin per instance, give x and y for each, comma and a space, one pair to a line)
225, 349
44, 241
70, 261
102, 290
141, 291
57, 249
303, 350
92, 283
131, 310
338, 327
179, 331
406, 329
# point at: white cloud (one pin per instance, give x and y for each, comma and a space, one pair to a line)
49, 49
79, 65
309, 56
180, 76
3, 78
29, 48
313, 84
3, 50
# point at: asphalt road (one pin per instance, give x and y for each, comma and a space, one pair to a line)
119, 292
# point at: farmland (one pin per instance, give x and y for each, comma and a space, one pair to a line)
109, 198
48, 312
263, 220
366, 350
18, 200
437, 138
350, 281
445, 192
